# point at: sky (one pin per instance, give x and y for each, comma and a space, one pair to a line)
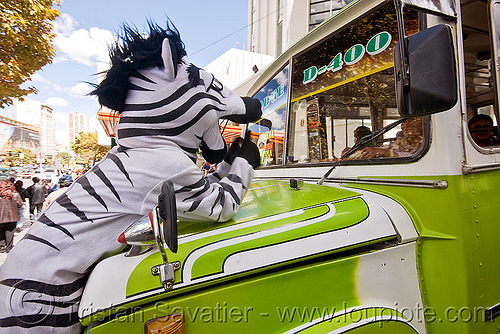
86, 28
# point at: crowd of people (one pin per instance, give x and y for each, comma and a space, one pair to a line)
15, 199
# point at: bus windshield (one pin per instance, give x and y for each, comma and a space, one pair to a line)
342, 89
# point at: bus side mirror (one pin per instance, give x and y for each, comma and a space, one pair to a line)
432, 86
166, 217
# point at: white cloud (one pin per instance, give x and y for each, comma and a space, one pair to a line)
80, 90
65, 24
282, 77
57, 102
82, 46
38, 78
94, 125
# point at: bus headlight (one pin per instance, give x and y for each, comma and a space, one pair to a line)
169, 324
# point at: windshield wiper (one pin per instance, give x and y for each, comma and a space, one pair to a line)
361, 144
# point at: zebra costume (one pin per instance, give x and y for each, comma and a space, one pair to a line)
169, 111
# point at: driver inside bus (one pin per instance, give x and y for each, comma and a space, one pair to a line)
360, 132
407, 142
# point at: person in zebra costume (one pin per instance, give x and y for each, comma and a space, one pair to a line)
168, 109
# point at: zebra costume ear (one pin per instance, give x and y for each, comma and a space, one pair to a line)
169, 59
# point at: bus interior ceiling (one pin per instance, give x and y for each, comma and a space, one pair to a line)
477, 54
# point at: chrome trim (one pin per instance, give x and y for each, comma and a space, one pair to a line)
166, 270
467, 169
435, 184
140, 233
138, 250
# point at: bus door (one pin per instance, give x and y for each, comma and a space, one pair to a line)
481, 42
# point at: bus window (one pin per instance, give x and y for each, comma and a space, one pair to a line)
481, 70
495, 32
345, 82
269, 132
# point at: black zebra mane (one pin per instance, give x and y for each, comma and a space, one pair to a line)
131, 52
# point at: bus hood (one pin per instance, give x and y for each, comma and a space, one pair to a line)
275, 226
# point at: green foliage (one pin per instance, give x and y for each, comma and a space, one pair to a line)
14, 157
64, 158
87, 148
25, 44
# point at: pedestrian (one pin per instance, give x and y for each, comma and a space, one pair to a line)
36, 196
206, 168
64, 177
63, 184
10, 202
24, 194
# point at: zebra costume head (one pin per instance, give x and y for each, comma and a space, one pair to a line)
164, 100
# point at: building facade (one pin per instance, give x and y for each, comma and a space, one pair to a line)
41, 117
236, 65
15, 135
277, 24
77, 123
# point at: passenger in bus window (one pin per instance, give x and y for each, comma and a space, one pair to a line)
360, 132
407, 143
482, 130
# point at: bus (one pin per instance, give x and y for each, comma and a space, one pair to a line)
375, 206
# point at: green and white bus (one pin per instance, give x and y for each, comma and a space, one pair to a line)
375, 209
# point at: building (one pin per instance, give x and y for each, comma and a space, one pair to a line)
77, 123
236, 65
276, 25
70, 125
41, 117
15, 135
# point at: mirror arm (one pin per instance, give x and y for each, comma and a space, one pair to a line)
166, 270
405, 67
158, 234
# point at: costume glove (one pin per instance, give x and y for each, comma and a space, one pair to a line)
250, 152
233, 151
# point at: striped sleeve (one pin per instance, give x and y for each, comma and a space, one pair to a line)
214, 199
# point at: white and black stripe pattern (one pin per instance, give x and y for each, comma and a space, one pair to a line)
57, 305
84, 223
155, 113
164, 121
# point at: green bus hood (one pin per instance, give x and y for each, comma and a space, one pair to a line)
275, 226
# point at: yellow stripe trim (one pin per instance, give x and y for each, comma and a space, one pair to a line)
380, 69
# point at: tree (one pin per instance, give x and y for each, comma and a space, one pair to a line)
64, 158
87, 148
28, 157
25, 44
